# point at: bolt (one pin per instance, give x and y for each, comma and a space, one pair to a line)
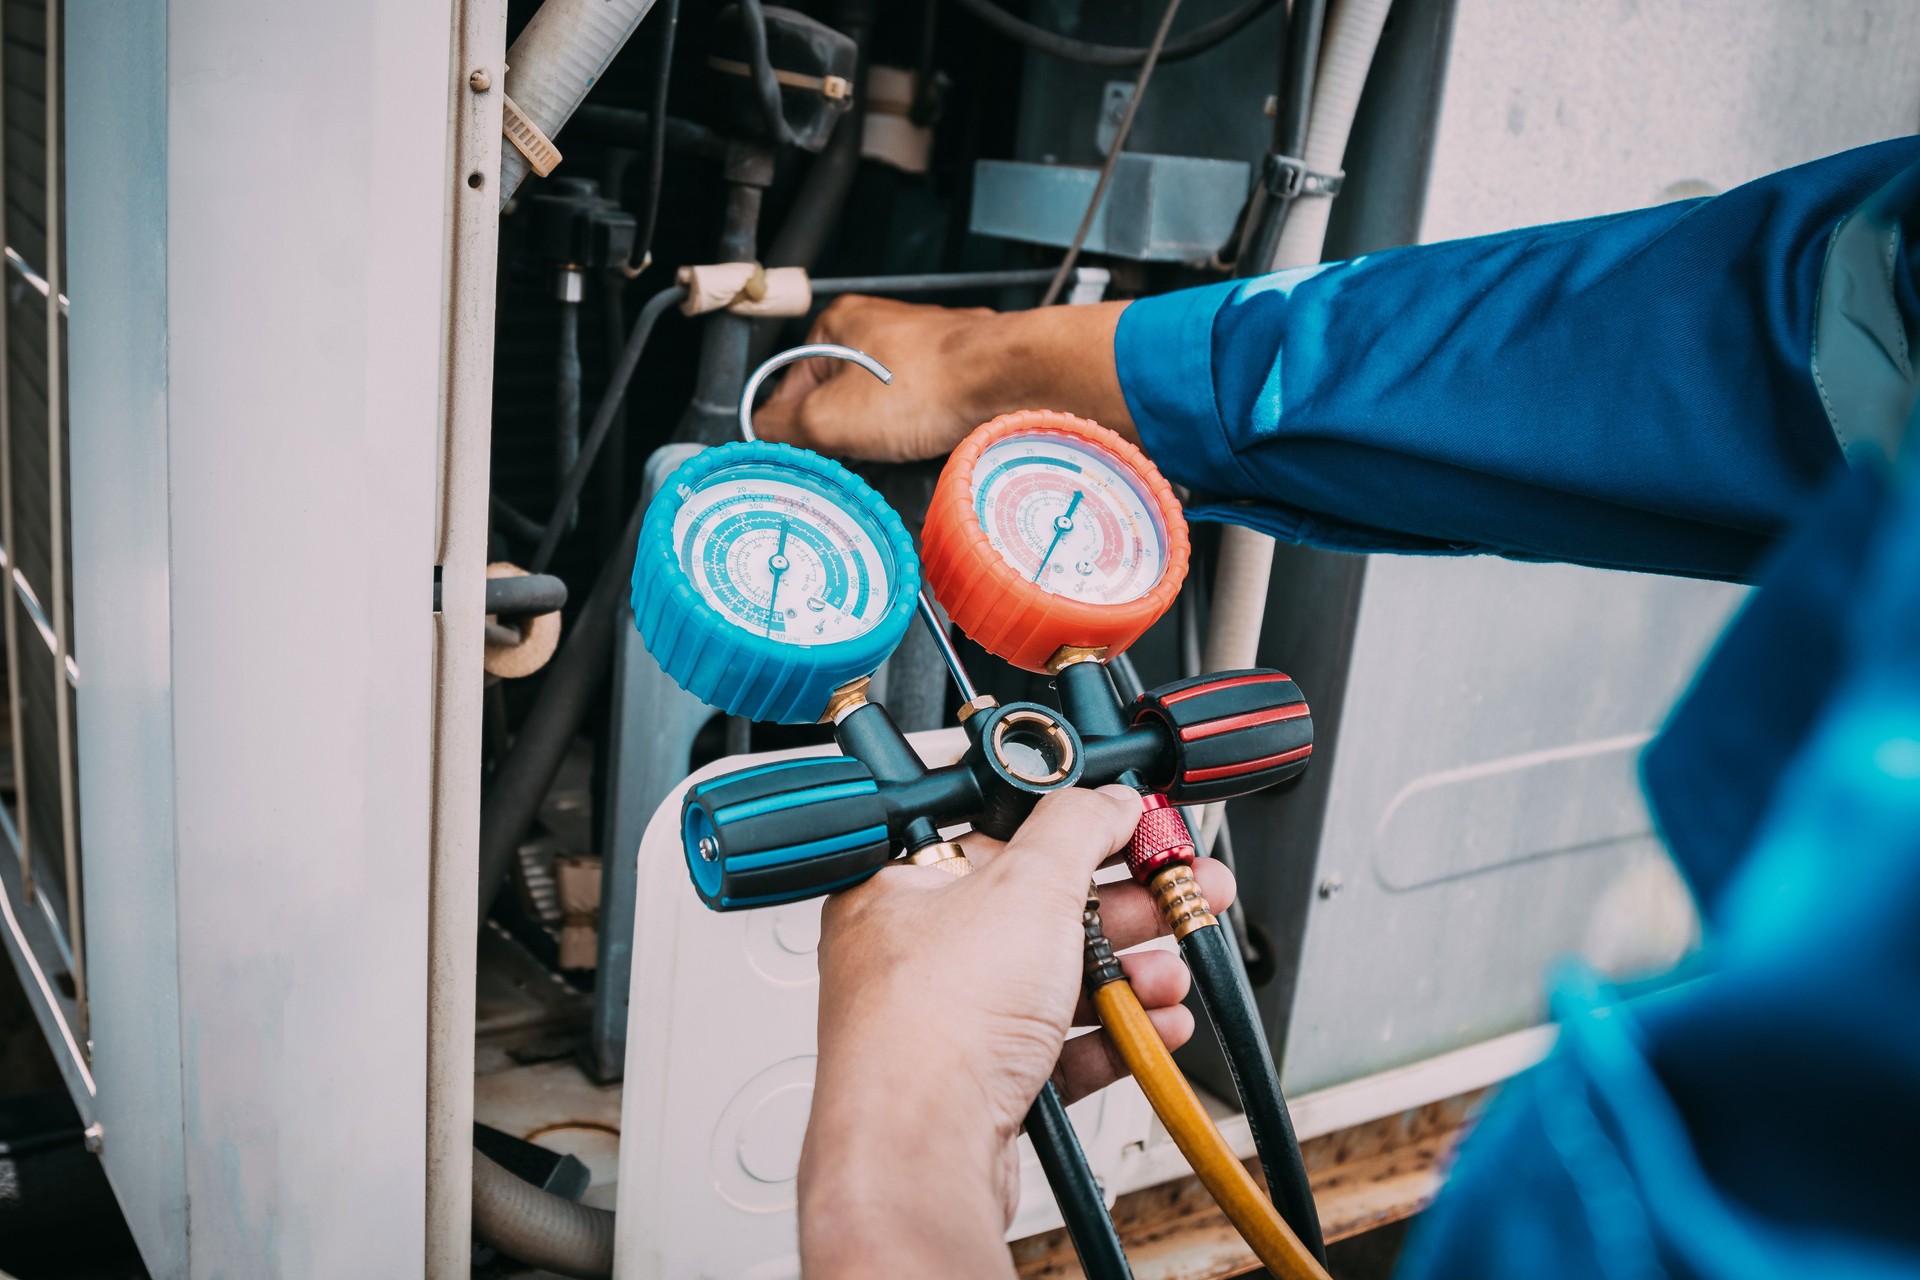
1331, 886
480, 81
96, 1137
709, 849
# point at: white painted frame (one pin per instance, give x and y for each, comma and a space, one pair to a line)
258, 229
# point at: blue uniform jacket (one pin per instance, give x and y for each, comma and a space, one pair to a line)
1680, 390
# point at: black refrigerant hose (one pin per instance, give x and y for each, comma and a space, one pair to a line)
1095, 1239
1088, 696
1229, 1004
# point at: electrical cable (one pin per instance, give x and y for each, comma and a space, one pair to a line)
603, 417
1095, 1240
518, 525
626, 127
1224, 993
657, 138
1193, 1132
1197, 41
1112, 161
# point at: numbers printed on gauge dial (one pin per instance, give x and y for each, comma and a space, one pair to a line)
1069, 518
781, 554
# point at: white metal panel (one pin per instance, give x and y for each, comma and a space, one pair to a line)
117, 237
306, 215
1503, 698
719, 1072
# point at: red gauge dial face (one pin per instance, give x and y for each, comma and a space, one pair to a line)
1069, 517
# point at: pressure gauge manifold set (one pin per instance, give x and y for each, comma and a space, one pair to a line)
771, 582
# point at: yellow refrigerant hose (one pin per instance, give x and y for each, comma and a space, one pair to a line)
1213, 1161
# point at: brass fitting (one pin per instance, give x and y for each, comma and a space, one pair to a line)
1068, 654
1098, 963
845, 700
984, 702
945, 856
1181, 903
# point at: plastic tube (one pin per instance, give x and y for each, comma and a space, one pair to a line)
1187, 1122
1246, 557
532, 1225
561, 54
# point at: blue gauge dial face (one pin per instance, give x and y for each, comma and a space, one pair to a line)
784, 553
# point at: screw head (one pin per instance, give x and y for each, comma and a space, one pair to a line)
709, 849
1331, 886
480, 81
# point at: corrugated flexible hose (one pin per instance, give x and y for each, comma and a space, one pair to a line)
534, 1226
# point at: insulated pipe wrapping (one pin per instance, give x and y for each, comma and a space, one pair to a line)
746, 289
561, 54
532, 1225
1353, 33
1246, 556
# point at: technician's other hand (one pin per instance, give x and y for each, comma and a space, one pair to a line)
944, 1006
953, 369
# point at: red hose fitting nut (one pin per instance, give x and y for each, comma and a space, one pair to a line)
1159, 841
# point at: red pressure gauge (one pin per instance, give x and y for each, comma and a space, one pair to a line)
1049, 533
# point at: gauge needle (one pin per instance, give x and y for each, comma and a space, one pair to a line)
779, 566
1061, 525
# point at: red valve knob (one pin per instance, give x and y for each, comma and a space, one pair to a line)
1161, 840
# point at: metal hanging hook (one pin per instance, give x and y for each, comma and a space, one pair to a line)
833, 350
773, 364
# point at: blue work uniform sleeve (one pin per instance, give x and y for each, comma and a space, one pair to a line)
1635, 391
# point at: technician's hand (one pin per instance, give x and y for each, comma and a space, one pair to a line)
953, 370
944, 1005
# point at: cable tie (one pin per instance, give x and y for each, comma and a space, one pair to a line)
527, 138
832, 88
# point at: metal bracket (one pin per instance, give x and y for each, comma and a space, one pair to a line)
1288, 178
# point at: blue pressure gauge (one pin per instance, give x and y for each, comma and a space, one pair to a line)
767, 576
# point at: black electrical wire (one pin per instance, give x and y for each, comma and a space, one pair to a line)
1089, 1225
1197, 41
626, 127
1113, 155
523, 527
657, 136
1228, 1000
603, 417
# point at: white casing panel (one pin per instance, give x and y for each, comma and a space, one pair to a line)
720, 1059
